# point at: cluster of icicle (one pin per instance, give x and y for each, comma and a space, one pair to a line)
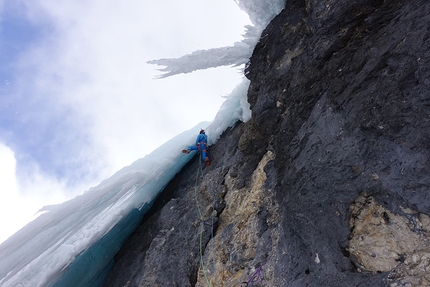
260, 12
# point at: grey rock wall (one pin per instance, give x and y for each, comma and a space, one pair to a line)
328, 183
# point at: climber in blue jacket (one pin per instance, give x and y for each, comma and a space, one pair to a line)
202, 145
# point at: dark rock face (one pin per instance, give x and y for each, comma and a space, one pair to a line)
339, 142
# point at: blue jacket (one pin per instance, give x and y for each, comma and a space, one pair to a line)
202, 138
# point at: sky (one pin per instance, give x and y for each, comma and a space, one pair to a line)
78, 100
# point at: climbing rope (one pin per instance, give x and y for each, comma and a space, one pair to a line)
212, 224
201, 230
256, 276
202, 222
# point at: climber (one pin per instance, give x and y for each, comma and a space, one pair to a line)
202, 145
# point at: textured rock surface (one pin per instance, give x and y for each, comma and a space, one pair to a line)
382, 241
337, 150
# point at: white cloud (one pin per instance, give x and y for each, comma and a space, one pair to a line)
15, 211
87, 99
95, 65
8, 182
20, 200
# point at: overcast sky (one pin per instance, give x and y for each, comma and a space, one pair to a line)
78, 100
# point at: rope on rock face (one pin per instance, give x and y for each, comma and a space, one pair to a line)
201, 231
256, 276
212, 224
200, 170
213, 240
